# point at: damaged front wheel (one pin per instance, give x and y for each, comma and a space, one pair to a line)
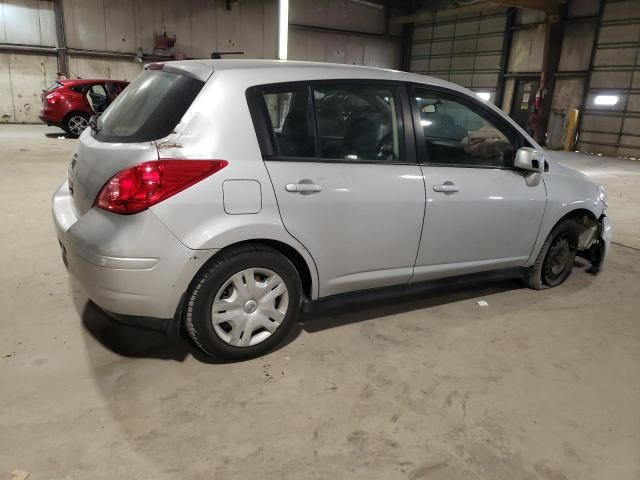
555, 260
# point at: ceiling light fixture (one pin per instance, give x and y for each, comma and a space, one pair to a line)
283, 28
606, 100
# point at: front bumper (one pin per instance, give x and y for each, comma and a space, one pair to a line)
130, 265
606, 234
599, 249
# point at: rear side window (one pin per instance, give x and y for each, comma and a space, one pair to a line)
335, 121
358, 122
149, 108
291, 115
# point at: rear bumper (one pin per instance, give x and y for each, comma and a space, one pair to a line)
130, 265
51, 117
49, 122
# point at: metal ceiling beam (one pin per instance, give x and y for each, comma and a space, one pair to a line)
400, 4
548, 6
431, 15
61, 39
551, 7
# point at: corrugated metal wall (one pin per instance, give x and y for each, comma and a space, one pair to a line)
326, 40
525, 57
121, 27
614, 129
465, 50
22, 77
573, 67
200, 27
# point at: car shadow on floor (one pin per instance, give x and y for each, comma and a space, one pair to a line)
354, 308
64, 135
135, 342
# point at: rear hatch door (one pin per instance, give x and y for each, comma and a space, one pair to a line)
95, 162
49, 91
125, 134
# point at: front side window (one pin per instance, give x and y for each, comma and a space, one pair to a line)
457, 133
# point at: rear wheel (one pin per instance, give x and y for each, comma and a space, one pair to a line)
244, 303
555, 260
75, 123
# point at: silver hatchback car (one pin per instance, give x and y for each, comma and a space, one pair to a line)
224, 194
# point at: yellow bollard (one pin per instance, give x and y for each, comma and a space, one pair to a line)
570, 129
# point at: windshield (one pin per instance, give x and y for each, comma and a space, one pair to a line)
149, 108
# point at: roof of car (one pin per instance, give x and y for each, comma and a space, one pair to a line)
90, 80
320, 69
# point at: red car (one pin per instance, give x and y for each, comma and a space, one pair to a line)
69, 104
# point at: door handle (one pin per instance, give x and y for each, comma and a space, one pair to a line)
447, 187
303, 187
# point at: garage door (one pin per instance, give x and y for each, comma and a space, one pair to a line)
466, 51
611, 122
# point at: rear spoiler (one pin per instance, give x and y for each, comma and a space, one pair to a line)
190, 68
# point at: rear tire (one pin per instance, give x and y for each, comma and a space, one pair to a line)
555, 259
244, 303
75, 123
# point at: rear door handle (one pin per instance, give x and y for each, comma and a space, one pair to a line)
303, 187
447, 187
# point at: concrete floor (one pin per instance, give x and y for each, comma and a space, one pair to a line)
538, 385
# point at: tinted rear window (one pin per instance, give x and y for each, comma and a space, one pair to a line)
149, 108
53, 87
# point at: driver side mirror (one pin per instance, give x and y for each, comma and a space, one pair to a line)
529, 159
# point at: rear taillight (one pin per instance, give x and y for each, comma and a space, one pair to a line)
141, 186
54, 97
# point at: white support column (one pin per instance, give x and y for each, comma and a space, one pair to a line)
283, 29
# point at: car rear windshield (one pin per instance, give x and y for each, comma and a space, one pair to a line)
53, 87
149, 108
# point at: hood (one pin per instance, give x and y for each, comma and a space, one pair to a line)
556, 167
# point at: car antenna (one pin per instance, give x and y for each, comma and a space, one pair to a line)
218, 55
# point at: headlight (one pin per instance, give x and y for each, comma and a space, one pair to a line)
602, 195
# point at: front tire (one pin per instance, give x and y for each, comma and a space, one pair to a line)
555, 260
244, 303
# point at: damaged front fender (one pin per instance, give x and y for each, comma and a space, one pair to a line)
594, 243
